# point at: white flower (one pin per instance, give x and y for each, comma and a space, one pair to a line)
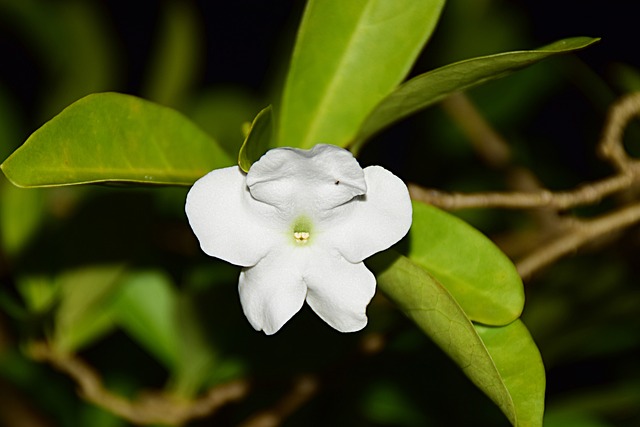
301, 222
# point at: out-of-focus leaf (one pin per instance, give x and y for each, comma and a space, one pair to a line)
196, 359
38, 292
555, 419
626, 77
111, 137
222, 112
10, 124
603, 400
431, 87
348, 56
386, 404
21, 213
258, 139
73, 40
176, 55
480, 277
503, 362
84, 312
146, 309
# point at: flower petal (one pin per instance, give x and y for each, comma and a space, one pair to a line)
227, 221
271, 292
339, 291
313, 180
374, 222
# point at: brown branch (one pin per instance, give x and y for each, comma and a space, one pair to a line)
567, 234
611, 147
161, 408
580, 233
153, 408
582, 195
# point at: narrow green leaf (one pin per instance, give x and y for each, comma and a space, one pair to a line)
111, 137
503, 362
258, 140
84, 313
347, 57
431, 87
480, 277
146, 310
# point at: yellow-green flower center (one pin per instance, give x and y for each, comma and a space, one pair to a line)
301, 230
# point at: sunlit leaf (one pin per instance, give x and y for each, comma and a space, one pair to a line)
503, 361
258, 140
111, 137
146, 310
481, 278
431, 87
348, 56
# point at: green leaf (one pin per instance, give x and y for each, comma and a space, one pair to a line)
196, 358
146, 310
177, 54
521, 370
431, 87
111, 137
21, 213
480, 277
39, 293
503, 362
221, 112
258, 139
348, 56
84, 313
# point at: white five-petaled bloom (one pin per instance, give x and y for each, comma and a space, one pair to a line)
301, 222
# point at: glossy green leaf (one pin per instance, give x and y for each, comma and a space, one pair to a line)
480, 277
84, 312
111, 137
521, 370
348, 56
146, 310
431, 87
258, 140
503, 361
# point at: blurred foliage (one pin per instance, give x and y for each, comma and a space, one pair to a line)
188, 331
